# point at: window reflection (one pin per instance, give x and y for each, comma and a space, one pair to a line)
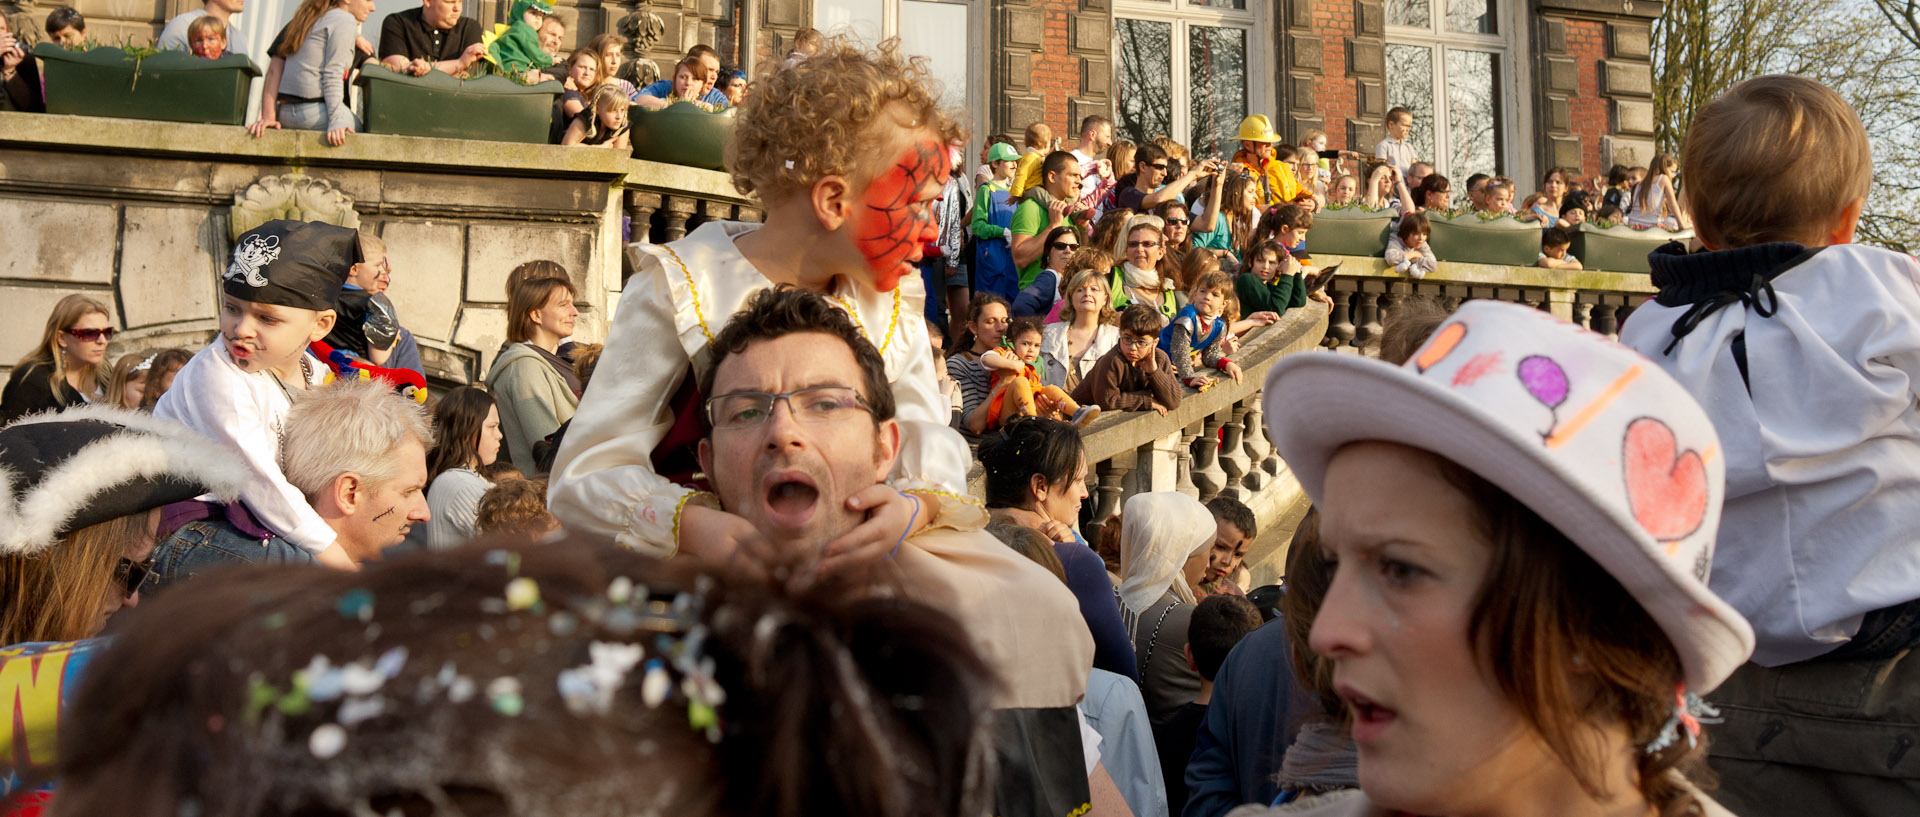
1410, 86
1472, 16
1217, 60
1473, 112
1409, 13
1146, 78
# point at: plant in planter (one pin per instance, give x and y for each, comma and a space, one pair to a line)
682, 134
142, 83
489, 107
1352, 229
1620, 248
1475, 239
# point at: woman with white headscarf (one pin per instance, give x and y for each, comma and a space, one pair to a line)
1163, 555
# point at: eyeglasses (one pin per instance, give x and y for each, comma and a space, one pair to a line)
1173, 221
1143, 245
91, 335
131, 574
818, 404
1061, 245
1134, 341
1162, 167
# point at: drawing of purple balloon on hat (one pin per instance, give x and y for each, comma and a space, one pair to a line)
1547, 382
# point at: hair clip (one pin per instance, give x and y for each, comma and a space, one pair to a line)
1689, 711
144, 364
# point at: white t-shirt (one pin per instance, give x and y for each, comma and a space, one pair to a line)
1397, 151
174, 36
1822, 444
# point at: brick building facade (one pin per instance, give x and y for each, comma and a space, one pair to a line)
1512, 85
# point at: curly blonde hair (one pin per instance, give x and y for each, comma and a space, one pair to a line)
815, 119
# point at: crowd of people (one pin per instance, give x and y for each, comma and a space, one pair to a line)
728, 562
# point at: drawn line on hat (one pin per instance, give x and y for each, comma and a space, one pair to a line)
1443, 344
1572, 427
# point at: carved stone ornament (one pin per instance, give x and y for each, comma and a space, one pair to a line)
643, 30
296, 197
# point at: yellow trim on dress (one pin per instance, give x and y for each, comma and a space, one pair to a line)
697, 314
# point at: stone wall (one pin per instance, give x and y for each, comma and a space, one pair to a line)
137, 214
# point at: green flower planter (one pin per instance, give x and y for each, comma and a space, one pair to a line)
1619, 248
1350, 231
682, 134
1466, 239
171, 86
489, 108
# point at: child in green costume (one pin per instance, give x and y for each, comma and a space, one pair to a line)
513, 49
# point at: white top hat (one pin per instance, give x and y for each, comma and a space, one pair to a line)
1597, 440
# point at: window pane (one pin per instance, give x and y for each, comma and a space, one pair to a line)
1472, 16
1219, 4
858, 17
1410, 86
938, 31
1146, 79
1409, 13
1473, 112
1217, 63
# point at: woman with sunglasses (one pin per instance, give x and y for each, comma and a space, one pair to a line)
77, 528
1176, 222
67, 367
1038, 298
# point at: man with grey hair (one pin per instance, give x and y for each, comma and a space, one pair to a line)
354, 449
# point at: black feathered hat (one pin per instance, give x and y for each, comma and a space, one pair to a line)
292, 263
67, 470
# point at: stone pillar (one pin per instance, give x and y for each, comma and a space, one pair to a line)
1051, 61
1209, 478
1233, 450
1581, 46
675, 211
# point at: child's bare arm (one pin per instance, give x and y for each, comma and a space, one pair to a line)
995, 359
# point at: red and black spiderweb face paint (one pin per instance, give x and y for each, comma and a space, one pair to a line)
895, 220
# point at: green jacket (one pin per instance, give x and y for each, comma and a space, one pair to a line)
1276, 297
532, 398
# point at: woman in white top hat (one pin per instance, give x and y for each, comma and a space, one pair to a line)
1523, 518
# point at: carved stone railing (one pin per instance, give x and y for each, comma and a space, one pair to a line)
665, 202
1213, 444
1366, 290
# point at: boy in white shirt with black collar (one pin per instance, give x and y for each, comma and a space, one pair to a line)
277, 297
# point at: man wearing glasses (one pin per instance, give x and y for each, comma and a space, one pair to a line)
1149, 188
801, 419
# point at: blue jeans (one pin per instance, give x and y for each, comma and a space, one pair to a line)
212, 545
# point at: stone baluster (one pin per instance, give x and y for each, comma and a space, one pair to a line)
1233, 450
1603, 318
1582, 314
1260, 451
1183, 461
676, 210
1112, 474
750, 215
641, 206
1366, 314
1208, 476
1340, 328
711, 210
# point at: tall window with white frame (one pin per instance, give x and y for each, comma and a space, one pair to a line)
940, 30
1188, 69
1449, 61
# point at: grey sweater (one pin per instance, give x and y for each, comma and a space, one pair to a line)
318, 69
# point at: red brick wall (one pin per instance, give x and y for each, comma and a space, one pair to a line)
1587, 45
1334, 93
1056, 72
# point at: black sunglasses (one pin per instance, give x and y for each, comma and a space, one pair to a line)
1061, 245
1161, 166
132, 574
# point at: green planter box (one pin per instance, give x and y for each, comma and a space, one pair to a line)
1468, 240
1619, 248
682, 134
1349, 231
171, 86
439, 105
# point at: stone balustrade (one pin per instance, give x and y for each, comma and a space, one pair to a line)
139, 214
1213, 444
1366, 289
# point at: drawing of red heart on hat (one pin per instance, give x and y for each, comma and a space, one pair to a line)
1666, 487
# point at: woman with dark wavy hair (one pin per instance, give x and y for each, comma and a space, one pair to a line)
466, 426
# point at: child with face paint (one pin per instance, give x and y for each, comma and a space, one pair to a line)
846, 153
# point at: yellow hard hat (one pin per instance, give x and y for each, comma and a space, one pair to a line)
1256, 128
